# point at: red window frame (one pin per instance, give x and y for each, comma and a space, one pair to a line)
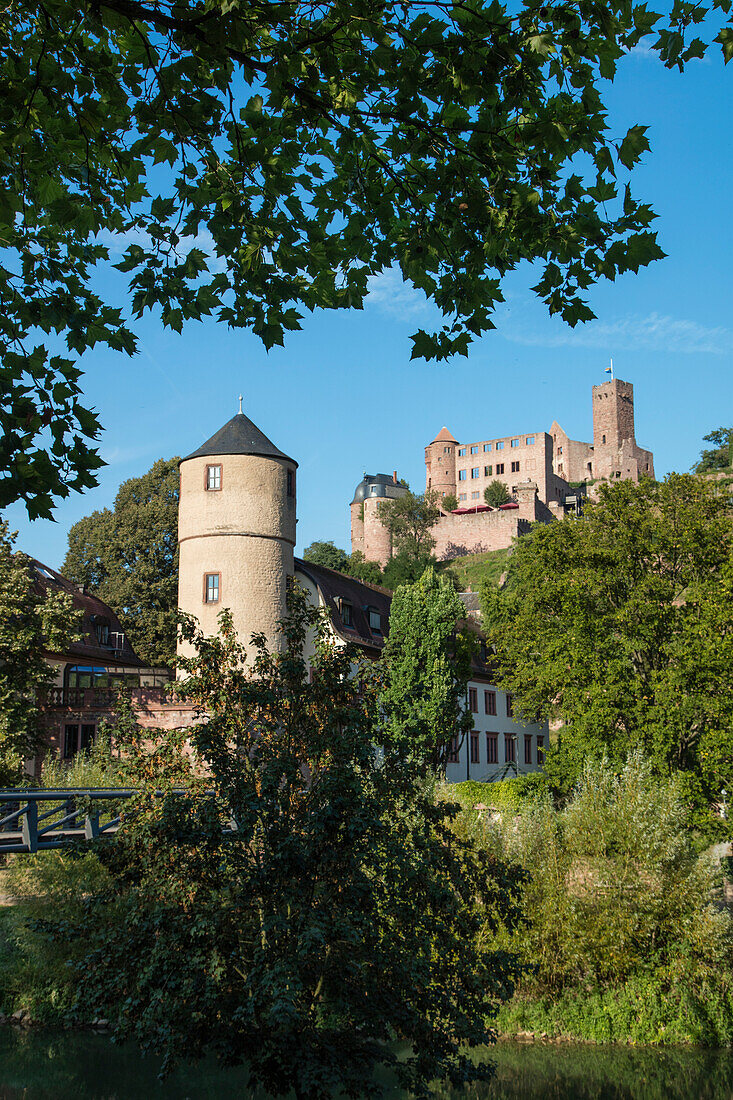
492, 748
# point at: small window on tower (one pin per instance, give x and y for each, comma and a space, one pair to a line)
291, 483
213, 477
211, 587
604, 439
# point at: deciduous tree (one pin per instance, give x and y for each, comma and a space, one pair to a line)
409, 520
31, 620
720, 455
621, 624
427, 662
496, 493
334, 915
128, 556
328, 554
257, 162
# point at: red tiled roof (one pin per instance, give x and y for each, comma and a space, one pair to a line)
444, 436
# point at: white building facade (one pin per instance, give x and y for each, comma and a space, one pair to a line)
499, 746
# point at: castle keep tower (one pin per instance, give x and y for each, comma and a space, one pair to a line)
236, 531
615, 451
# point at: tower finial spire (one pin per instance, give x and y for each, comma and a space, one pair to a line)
240, 402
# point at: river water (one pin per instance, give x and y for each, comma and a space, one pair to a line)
46, 1065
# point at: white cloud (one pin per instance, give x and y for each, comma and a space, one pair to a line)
118, 243
391, 294
653, 332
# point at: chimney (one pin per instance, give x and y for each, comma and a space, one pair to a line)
394, 477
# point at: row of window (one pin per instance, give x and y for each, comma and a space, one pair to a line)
213, 480
475, 448
492, 749
488, 471
489, 702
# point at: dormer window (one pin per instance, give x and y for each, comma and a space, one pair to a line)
213, 478
375, 621
347, 613
102, 632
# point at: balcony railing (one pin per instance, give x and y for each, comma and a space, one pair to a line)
57, 698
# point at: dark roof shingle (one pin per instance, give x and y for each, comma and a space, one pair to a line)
239, 436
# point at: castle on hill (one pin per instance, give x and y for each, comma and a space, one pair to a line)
543, 472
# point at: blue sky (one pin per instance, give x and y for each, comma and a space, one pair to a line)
343, 397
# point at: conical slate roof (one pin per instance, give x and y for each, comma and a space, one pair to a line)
239, 436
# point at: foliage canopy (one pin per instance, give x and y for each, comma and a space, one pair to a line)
409, 520
333, 557
720, 455
259, 161
129, 557
427, 661
621, 624
32, 621
337, 916
496, 493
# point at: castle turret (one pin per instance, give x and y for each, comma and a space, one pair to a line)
367, 531
236, 531
440, 464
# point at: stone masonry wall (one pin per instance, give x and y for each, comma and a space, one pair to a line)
475, 534
377, 539
245, 532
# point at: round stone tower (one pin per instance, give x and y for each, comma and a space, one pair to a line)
440, 464
367, 532
236, 531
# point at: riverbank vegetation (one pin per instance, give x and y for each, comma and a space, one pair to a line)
623, 935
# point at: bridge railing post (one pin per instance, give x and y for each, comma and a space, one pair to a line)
29, 827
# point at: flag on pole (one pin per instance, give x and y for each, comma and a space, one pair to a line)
609, 370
